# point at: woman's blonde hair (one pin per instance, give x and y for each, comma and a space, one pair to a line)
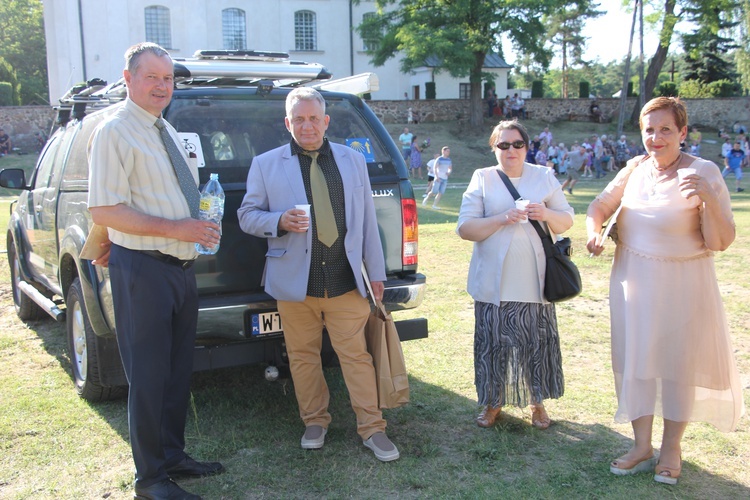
671, 104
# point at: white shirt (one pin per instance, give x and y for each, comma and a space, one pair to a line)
129, 165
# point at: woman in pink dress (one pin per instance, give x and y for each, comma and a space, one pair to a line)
671, 352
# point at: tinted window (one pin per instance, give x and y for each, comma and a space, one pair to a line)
233, 129
46, 162
77, 167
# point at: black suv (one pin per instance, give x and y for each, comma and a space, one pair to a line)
228, 107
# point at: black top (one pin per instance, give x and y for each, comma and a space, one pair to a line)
329, 268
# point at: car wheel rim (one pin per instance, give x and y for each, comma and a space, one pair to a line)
78, 333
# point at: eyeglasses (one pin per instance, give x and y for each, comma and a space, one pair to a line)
515, 144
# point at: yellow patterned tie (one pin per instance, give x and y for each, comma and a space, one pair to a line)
324, 219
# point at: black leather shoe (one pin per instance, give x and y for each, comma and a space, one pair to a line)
164, 490
192, 468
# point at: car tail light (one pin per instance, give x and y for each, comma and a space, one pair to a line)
410, 232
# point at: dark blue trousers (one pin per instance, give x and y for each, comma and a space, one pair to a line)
156, 313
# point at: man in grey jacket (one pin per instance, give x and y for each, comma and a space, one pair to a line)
313, 265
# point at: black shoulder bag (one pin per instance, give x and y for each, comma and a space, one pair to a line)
562, 281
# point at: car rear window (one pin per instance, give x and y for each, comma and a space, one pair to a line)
226, 132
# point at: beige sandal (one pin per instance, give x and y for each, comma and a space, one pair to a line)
622, 467
667, 475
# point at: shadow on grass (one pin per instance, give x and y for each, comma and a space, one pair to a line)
253, 427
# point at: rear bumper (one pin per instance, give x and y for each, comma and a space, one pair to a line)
404, 293
219, 320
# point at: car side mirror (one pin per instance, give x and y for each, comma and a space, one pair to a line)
13, 178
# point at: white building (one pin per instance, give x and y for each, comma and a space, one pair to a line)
87, 39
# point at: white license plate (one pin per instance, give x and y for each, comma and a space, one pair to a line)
265, 323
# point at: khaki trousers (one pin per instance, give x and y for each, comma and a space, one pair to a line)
344, 317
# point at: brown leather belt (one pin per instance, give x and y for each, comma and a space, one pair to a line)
168, 259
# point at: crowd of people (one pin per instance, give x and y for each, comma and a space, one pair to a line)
735, 153
510, 107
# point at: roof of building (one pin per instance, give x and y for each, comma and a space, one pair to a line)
492, 60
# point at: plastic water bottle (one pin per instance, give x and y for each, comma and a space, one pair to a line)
211, 208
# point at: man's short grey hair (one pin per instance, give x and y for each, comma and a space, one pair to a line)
303, 94
134, 53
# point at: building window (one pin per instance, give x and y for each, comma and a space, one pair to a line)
233, 28
464, 90
305, 31
157, 26
371, 35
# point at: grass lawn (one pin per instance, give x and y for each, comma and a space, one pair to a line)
55, 445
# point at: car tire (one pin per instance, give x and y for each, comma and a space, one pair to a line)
26, 309
83, 354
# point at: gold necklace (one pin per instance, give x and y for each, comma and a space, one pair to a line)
664, 169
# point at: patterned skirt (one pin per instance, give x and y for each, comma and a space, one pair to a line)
517, 359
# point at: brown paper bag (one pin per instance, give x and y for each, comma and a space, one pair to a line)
384, 346
91, 249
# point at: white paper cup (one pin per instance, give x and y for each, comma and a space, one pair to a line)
521, 205
306, 208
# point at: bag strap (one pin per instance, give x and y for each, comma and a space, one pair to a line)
514, 193
629, 168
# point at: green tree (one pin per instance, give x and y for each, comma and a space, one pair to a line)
742, 54
22, 44
564, 26
705, 48
8, 75
457, 34
666, 18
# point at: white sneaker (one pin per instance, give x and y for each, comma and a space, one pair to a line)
384, 449
314, 437
424, 202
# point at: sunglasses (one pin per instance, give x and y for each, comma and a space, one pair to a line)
515, 144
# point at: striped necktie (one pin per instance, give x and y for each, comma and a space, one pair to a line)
184, 177
325, 222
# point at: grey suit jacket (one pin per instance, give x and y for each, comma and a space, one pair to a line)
274, 185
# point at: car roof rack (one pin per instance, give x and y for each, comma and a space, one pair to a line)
363, 83
245, 67
219, 68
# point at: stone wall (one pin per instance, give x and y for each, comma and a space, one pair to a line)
22, 122
711, 113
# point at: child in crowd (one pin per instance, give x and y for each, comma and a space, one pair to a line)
430, 174
588, 162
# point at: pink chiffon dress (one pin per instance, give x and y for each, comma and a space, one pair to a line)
671, 351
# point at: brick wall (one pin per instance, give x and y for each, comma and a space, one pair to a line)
21, 122
713, 113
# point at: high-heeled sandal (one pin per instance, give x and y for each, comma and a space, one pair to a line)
621, 467
667, 475
488, 416
539, 417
